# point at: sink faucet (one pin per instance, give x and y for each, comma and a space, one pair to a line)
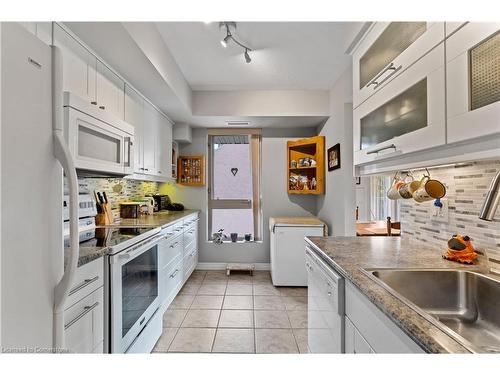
492, 200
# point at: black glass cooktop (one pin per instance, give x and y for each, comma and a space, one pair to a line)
108, 237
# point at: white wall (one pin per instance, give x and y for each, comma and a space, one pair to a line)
275, 200
337, 206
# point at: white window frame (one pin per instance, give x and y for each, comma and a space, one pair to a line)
255, 203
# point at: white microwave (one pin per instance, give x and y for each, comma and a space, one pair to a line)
99, 142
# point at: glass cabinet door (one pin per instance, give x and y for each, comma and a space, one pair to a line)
397, 37
403, 114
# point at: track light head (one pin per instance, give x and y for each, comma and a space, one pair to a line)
247, 56
226, 40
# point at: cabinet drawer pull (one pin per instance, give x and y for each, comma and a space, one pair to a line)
374, 80
85, 311
381, 149
83, 285
102, 107
174, 245
174, 273
93, 103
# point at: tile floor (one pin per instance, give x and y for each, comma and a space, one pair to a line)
214, 313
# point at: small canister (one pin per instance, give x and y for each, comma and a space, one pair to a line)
130, 210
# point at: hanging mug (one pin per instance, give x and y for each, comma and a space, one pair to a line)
429, 190
408, 188
393, 192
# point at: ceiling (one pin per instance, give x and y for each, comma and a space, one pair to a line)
275, 122
285, 56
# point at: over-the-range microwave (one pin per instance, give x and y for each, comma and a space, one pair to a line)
99, 142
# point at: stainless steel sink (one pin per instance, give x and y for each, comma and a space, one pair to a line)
464, 304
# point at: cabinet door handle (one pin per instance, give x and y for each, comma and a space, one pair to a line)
376, 151
388, 76
102, 107
374, 80
159, 172
85, 311
93, 103
174, 273
83, 285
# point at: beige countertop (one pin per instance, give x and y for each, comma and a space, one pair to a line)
349, 255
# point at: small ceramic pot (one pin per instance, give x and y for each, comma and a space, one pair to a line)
234, 237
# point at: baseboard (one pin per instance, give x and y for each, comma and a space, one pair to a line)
210, 266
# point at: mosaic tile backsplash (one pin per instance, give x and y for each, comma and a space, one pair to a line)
119, 189
466, 187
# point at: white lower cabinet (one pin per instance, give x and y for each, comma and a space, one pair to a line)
177, 258
369, 330
84, 312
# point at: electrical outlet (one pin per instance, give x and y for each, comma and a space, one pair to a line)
440, 214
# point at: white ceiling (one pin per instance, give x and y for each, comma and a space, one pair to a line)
285, 56
275, 122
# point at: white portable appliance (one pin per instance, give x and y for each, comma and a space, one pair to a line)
288, 252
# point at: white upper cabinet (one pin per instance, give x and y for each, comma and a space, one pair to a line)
473, 81
164, 146
451, 27
134, 107
77, 64
388, 49
406, 115
150, 132
109, 90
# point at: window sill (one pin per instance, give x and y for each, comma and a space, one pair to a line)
235, 243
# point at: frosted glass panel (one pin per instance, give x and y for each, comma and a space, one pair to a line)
403, 114
233, 221
397, 37
98, 146
232, 167
485, 72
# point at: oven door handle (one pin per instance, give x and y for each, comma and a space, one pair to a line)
141, 247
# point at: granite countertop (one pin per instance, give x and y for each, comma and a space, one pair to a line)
88, 252
348, 255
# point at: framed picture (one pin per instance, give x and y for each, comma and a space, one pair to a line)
334, 157
358, 180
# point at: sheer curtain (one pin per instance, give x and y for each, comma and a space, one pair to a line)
381, 206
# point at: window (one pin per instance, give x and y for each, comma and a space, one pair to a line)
234, 183
381, 206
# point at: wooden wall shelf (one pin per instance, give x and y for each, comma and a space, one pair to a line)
306, 166
191, 170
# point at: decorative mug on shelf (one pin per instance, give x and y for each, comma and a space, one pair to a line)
248, 237
234, 237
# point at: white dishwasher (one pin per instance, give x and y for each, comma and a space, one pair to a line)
325, 306
288, 254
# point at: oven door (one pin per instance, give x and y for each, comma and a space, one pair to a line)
134, 292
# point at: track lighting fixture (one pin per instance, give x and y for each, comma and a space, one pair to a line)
230, 27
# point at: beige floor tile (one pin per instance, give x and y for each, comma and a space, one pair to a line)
215, 276
262, 276
241, 276
293, 292
301, 339
295, 303
265, 290
182, 301
193, 340
165, 340
195, 279
239, 282
262, 282
174, 318
275, 341
236, 319
207, 302
238, 303
190, 288
271, 319
298, 318
201, 319
212, 289
234, 341
239, 290
268, 303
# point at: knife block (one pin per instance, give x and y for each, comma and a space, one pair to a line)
105, 218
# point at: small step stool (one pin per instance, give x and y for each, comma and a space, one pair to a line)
250, 267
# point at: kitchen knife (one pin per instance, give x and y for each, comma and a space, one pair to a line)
105, 197
101, 200
98, 205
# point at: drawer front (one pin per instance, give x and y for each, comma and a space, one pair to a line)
88, 278
473, 82
190, 235
172, 282
433, 34
421, 88
169, 251
83, 323
189, 263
